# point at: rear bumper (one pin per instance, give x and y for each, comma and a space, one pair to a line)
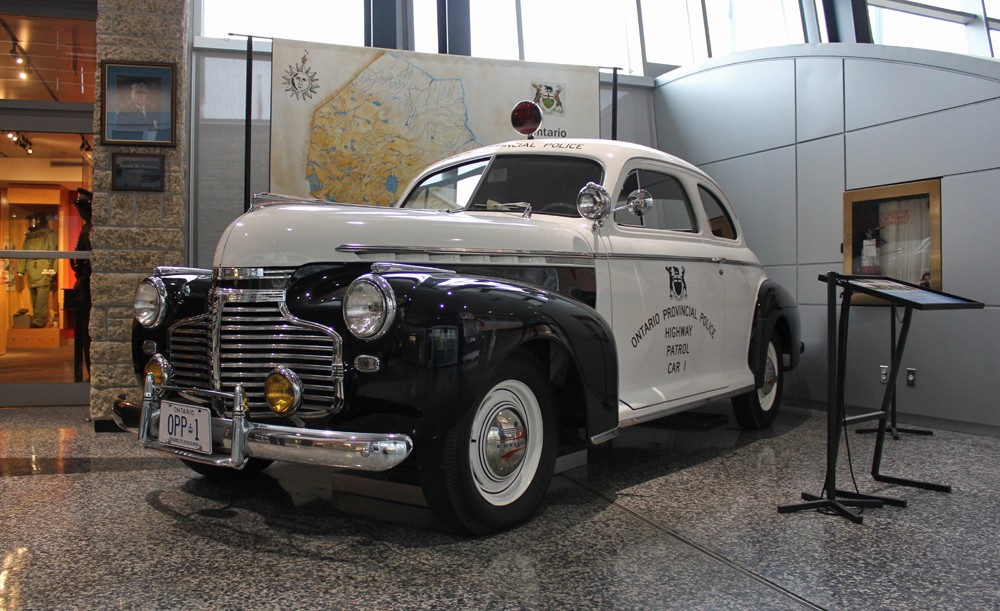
236, 440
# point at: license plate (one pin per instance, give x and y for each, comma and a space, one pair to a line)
186, 426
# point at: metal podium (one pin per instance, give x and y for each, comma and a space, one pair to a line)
898, 294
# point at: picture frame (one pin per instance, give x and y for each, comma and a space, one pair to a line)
134, 172
138, 102
895, 232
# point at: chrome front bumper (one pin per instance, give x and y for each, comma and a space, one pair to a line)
238, 439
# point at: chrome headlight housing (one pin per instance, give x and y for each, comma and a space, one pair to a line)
369, 307
150, 302
593, 202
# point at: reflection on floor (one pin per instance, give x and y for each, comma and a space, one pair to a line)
38, 365
662, 518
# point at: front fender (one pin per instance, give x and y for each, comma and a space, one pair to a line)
187, 292
450, 334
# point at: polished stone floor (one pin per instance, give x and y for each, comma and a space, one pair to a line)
664, 518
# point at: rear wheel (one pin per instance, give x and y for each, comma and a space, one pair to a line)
758, 408
491, 470
253, 467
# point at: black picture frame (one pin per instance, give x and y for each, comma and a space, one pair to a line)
133, 172
137, 103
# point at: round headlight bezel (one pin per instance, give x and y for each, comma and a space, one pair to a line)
150, 303
372, 317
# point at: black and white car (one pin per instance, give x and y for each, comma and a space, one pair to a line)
517, 297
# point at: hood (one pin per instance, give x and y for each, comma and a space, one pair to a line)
293, 234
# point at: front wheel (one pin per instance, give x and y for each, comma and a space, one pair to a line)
758, 408
492, 469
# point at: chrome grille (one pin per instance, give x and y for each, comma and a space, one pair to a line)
254, 333
190, 350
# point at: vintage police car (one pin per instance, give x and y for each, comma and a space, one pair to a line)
516, 298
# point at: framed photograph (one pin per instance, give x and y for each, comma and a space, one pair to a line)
894, 232
136, 172
137, 104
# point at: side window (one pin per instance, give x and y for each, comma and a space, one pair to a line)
448, 189
670, 209
719, 221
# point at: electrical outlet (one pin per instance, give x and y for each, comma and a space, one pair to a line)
911, 377
884, 374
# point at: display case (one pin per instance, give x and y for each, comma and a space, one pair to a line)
36, 218
894, 231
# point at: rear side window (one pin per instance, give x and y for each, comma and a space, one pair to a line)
670, 209
719, 221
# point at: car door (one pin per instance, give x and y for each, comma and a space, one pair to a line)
667, 296
742, 274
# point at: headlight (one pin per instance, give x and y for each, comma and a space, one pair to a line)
283, 391
161, 370
150, 302
593, 201
369, 307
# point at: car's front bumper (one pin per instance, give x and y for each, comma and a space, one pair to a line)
237, 439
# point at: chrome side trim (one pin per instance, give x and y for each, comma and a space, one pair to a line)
410, 250
715, 260
605, 436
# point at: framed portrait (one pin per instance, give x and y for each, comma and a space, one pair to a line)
136, 172
895, 232
137, 104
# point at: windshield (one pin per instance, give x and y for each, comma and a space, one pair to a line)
549, 183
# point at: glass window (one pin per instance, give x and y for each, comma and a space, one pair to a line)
549, 184
739, 25
719, 221
670, 209
341, 22
494, 29
50, 60
590, 32
993, 9
425, 26
890, 27
673, 31
447, 190
218, 135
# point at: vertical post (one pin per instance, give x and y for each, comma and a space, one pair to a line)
248, 125
832, 394
614, 103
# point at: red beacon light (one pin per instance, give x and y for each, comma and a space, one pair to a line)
526, 118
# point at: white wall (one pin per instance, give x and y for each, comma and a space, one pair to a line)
786, 131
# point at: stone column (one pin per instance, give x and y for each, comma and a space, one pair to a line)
134, 231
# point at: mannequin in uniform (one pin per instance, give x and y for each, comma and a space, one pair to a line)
40, 272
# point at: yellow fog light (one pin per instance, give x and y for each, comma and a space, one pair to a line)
283, 391
162, 372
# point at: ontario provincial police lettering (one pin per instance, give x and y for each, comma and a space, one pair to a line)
651, 323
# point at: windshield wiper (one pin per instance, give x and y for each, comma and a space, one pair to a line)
523, 207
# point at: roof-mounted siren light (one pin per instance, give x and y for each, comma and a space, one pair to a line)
526, 118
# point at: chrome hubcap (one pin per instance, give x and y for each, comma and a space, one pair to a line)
506, 440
